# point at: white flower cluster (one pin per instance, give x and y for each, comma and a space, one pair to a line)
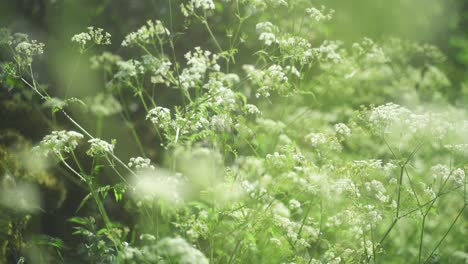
267, 32
385, 114
328, 52
296, 48
277, 161
221, 122
320, 14
347, 187
158, 68
198, 63
252, 109
460, 149
30, 48
378, 189
222, 95
261, 5
316, 139
95, 35
99, 147
166, 250
369, 51
140, 163
104, 105
203, 4
60, 141
392, 119
159, 116
147, 34
195, 225
27, 49
358, 219
272, 79
440, 172
129, 68
300, 234
459, 176
189, 8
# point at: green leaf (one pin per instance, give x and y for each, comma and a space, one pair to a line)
45, 240
78, 220
85, 199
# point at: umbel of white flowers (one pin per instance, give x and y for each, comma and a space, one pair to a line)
59, 142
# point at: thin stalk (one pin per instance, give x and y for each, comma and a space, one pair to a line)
204, 20
446, 233
78, 125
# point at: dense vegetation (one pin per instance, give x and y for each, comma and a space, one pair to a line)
233, 131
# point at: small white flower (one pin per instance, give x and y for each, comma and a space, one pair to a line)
128, 69
198, 62
320, 14
267, 32
390, 112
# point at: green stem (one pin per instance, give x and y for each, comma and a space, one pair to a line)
446, 233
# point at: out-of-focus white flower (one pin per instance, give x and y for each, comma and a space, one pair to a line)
342, 130
128, 69
104, 105
152, 184
179, 251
